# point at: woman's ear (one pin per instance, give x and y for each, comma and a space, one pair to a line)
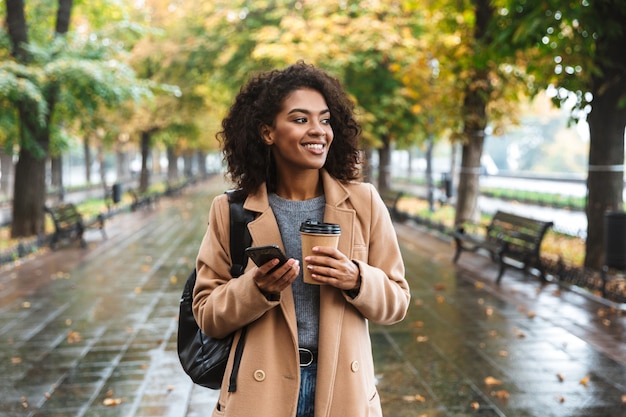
266, 135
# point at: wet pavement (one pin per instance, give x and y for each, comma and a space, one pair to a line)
92, 332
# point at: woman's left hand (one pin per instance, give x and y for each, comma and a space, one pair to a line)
330, 266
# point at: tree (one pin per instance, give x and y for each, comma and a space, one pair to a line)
578, 48
366, 45
60, 78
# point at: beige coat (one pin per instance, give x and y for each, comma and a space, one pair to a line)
269, 376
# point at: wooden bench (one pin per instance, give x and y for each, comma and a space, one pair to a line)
69, 223
391, 198
147, 200
511, 240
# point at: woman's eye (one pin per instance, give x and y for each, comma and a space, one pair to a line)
300, 120
326, 121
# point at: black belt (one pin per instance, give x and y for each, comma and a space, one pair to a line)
307, 357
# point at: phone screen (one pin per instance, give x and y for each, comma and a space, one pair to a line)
261, 255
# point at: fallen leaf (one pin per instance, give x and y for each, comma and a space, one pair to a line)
414, 398
489, 311
481, 301
441, 299
560, 377
475, 405
145, 268
479, 284
624, 399
584, 381
492, 381
422, 339
419, 324
606, 322
418, 303
503, 353
531, 315
502, 395
74, 337
173, 279
137, 290
111, 402
560, 399
439, 287
16, 360
26, 304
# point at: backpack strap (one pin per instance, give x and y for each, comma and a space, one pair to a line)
240, 239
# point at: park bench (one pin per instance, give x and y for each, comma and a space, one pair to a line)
146, 200
69, 223
510, 240
391, 198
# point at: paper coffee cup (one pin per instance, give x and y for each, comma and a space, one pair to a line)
317, 234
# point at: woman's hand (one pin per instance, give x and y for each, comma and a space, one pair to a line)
329, 266
278, 280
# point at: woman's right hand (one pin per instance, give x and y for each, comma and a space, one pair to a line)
278, 280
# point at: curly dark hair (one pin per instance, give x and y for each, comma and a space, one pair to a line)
249, 160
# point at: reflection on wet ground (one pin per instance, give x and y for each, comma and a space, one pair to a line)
93, 332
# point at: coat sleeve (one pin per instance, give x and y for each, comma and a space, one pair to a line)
222, 304
384, 295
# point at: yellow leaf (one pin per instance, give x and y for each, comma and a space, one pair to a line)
414, 398
475, 405
111, 402
584, 381
492, 381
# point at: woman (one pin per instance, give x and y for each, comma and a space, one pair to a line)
290, 142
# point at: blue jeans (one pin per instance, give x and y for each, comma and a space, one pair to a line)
306, 397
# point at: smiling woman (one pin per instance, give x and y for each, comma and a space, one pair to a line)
291, 143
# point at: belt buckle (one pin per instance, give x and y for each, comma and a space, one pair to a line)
303, 352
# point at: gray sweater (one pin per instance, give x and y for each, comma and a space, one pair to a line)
289, 215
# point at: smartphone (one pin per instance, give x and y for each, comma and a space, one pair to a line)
261, 255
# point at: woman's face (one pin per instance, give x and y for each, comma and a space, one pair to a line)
301, 135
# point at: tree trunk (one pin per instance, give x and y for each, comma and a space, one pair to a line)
144, 177
7, 172
30, 181
384, 166
87, 157
474, 113
365, 164
172, 165
63, 16
201, 159
188, 164
607, 120
29, 194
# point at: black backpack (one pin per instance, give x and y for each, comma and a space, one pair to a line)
202, 357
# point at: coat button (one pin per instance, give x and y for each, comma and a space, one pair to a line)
354, 366
259, 375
